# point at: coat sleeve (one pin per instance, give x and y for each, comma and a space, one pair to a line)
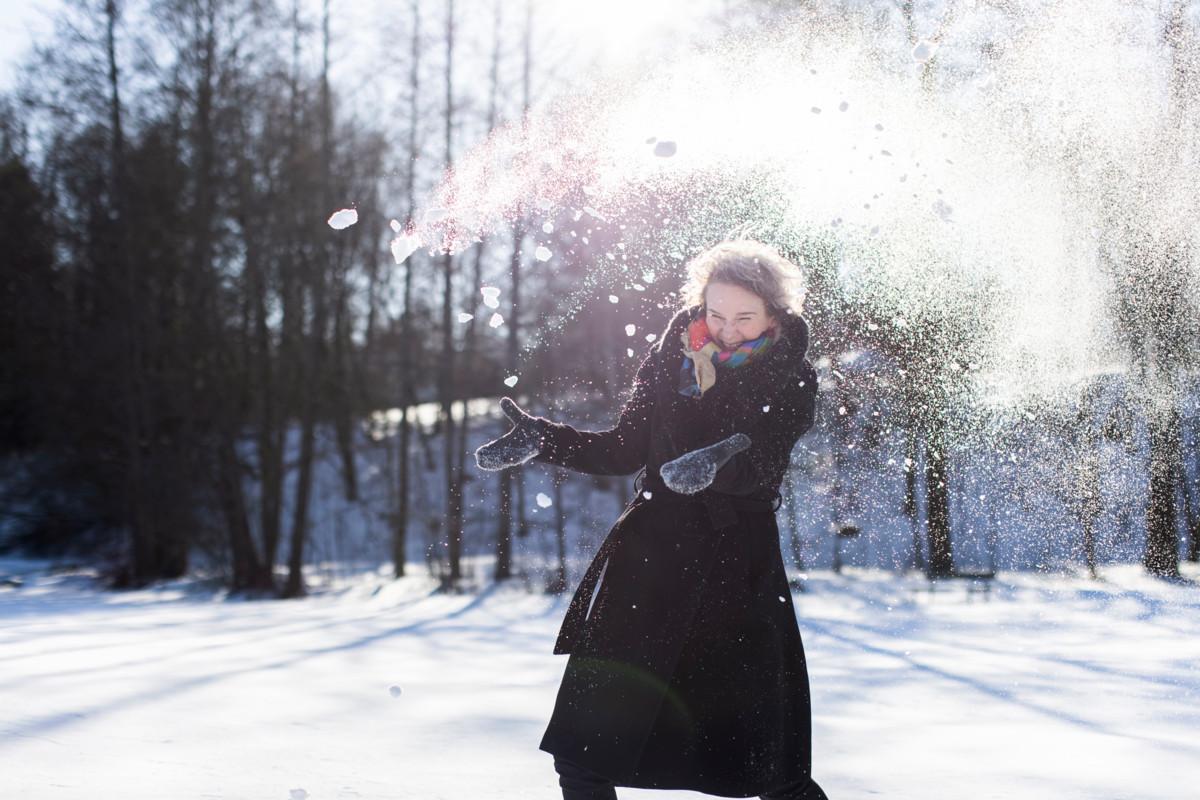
759, 469
621, 450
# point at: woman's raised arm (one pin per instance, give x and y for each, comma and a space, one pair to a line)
620, 450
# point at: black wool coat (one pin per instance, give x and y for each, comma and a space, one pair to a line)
686, 668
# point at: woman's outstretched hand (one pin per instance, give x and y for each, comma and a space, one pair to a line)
517, 446
693, 472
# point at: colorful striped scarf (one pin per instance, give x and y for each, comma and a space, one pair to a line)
702, 357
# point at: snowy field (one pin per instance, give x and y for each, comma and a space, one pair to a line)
1046, 687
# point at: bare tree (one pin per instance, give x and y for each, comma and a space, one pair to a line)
504, 531
407, 376
448, 377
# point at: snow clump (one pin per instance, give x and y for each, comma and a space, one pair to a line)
343, 218
404, 246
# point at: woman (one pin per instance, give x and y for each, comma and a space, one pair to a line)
687, 670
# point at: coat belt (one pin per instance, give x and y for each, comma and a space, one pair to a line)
721, 507
722, 511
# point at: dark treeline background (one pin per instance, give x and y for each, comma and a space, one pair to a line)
179, 324
173, 302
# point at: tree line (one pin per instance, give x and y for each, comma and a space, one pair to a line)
179, 322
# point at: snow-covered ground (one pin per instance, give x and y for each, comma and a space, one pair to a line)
1047, 687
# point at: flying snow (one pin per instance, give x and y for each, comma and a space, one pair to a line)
343, 219
404, 246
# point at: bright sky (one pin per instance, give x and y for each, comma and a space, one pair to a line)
611, 31
21, 22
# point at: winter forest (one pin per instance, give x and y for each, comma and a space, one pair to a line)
268, 267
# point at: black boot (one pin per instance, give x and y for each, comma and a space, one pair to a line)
580, 783
806, 789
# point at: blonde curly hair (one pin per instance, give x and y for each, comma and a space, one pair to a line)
752, 265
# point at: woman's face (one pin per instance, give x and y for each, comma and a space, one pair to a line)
734, 314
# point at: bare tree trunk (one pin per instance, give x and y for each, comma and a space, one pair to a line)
522, 518
911, 510
315, 362
1091, 505
270, 450
1089, 545
558, 584
472, 305
407, 390
270, 435
291, 294
1161, 555
1190, 489
344, 409
294, 586
504, 531
260, 358
1192, 515
247, 572
937, 498
143, 566
308, 377
454, 498
453, 516
213, 358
